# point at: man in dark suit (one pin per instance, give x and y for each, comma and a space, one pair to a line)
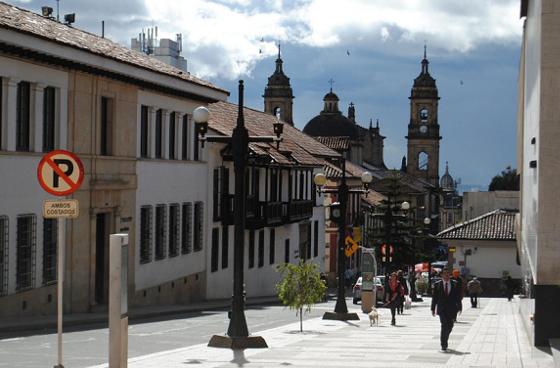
446, 302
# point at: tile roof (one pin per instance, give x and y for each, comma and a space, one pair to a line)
296, 147
335, 143
25, 21
495, 225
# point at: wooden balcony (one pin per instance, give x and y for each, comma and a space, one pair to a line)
299, 210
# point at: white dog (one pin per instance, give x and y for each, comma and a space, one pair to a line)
373, 317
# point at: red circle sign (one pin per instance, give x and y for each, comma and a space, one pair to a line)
60, 172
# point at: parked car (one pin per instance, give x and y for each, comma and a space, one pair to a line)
379, 289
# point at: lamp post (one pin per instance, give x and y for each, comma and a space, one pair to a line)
426, 223
237, 333
339, 213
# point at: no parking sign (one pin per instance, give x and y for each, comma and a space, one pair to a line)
60, 173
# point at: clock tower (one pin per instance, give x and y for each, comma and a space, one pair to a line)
423, 130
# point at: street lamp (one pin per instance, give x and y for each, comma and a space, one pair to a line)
237, 333
341, 310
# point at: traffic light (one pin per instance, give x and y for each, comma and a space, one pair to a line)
335, 214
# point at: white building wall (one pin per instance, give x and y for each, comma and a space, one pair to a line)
489, 259
20, 192
170, 182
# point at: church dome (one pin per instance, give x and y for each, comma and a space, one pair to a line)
447, 182
330, 122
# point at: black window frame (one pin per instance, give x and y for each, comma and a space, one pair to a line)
185, 138
146, 234
173, 226
225, 246
215, 249
287, 251
316, 238
272, 253
172, 134
198, 226
25, 253
23, 117
106, 126
49, 119
186, 228
4, 254
160, 230
159, 134
50, 236
251, 253
260, 255
144, 131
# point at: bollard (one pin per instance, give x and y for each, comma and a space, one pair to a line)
118, 301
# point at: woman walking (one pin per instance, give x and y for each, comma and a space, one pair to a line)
395, 293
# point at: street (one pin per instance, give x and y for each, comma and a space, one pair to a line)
87, 347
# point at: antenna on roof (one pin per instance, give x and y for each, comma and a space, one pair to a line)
102, 29
57, 11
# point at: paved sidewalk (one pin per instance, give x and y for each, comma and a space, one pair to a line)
490, 336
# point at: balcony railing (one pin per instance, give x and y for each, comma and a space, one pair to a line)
299, 210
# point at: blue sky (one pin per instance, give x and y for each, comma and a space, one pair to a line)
473, 48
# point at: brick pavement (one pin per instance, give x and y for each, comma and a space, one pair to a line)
490, 336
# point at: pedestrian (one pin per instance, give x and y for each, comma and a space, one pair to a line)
323, 278
446, 302
509, 288
474, 289
395, 292
460, 285
400, 277
348, 275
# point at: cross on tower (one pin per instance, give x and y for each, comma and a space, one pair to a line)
331, 82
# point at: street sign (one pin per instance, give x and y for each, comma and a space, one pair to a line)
452, 249
357, 234
68, 208
60, 172
385, 248
351, 246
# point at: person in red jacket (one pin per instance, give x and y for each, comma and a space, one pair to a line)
395, 293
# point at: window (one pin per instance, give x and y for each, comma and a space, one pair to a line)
144, 131
272, 246
225, 246
274, 185
145, 234
185, 138
186, 229
25, 252
50, 232
422, 161
304, 241
287, 251
49, 114
172, 136
215, 249
261, 248
221, 189
251, 249
315, 238
159, 133
106, 134
3, 255
198, 225
22, 116
301, 185
424, 114
1, 124
173, 230
160, 231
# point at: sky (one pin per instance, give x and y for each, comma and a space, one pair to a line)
371, 49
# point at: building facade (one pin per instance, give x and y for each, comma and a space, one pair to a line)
537, 160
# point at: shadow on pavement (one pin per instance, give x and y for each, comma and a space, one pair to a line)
308, 332
239, 358
457, 352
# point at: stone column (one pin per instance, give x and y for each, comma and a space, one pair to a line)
11, 111
36, 120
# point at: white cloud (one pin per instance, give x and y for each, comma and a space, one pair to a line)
225, 37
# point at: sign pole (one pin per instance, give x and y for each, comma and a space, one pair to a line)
60, 282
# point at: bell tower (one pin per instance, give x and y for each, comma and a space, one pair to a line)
423, 130
278, 95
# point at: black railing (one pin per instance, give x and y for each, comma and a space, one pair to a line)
300, 210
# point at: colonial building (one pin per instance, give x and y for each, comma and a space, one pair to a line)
485, 247
128, 118
538, 135
451, 202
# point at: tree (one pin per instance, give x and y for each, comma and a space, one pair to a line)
300, 287
506, 180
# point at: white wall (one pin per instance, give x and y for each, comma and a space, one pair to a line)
20, 192
489, 259
478, 203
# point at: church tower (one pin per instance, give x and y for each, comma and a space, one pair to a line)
278, 93
423, 130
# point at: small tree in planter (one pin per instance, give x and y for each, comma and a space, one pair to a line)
300, 287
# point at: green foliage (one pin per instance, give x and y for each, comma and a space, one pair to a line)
301, 287
506, 180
